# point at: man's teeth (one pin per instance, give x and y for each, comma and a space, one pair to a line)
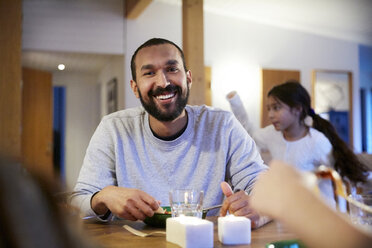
164, 97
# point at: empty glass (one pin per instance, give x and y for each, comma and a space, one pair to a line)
188, 202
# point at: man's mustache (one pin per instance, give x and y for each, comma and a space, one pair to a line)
169, 89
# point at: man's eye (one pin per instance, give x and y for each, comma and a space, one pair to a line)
172, 69
149, 73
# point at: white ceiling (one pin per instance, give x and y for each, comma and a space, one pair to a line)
343, 19
349, 20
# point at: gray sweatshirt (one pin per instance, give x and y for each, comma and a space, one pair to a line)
124, 152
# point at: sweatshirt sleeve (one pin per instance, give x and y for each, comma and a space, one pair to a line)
259, 135
244, 162
239, 111
262, 136
97, 171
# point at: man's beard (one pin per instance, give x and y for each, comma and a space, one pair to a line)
157, 113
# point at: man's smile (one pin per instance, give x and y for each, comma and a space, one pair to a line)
165, 96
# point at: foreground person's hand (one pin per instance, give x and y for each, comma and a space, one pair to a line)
126, 203
274, 189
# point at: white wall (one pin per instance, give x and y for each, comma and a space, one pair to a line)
73, 25
236, 50
158, 20
82, 118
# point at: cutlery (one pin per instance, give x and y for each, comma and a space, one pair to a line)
92, 217
205, 210
142, 234
212, 207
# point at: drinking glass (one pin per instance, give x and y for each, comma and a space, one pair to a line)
187, 202
358, 215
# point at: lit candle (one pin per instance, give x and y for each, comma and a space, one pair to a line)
234, 230
188, 231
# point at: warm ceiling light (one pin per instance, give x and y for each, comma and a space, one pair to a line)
61, 67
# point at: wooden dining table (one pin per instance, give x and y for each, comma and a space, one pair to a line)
112, 234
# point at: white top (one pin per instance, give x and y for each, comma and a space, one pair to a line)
306, 154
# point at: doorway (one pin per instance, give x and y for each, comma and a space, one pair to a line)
59, 126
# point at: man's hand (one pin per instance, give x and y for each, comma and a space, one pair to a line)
238, 204
127, 203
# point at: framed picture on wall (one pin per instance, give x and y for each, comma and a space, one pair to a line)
112, 96
332, 99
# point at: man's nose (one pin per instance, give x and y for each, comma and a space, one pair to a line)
162, 80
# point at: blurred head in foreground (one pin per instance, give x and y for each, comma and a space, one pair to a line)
29, 215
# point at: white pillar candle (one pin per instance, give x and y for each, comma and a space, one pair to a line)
187, 231
234, 230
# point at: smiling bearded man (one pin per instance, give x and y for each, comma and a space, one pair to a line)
137, 155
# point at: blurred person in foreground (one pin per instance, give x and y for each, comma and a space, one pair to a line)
282, 194
29, 214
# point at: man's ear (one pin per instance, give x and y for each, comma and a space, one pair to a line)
134, 87
189, 78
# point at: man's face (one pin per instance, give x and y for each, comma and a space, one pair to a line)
162, 84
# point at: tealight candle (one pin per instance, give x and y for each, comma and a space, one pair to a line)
188, 231
234, 230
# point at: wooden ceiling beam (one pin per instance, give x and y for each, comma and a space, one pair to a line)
193, 48
133, 8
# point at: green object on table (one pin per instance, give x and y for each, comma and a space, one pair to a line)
293, 243
158, 220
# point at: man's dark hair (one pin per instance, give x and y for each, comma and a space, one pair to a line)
153, 42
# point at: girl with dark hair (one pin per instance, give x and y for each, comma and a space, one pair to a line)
298, 135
